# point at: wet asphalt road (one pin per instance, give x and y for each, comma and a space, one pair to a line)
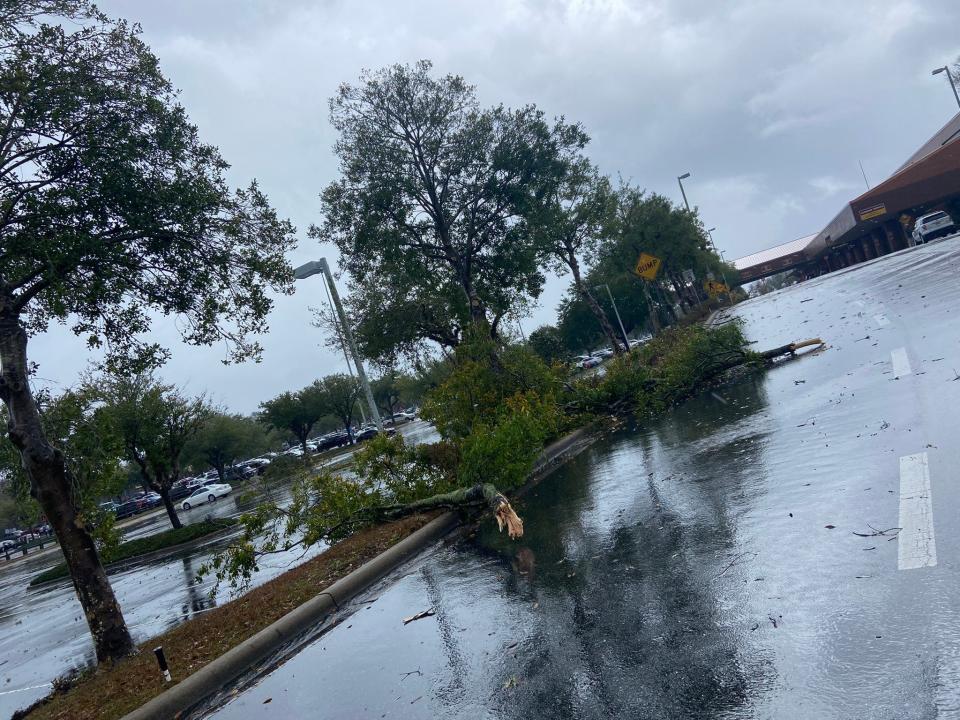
43, 633
705, 565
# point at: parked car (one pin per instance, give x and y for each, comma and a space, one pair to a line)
205, 494
335, 439
931, 226
603, 353
110, 506
258, 465
238, 473
7, 544
128, 509
180, 490
399, 418
151, 500
365, 433
582, 362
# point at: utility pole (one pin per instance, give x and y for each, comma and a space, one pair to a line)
320, 266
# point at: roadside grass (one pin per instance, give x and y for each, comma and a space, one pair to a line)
113, 690
144, 546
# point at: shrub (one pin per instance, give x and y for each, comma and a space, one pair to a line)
673, 366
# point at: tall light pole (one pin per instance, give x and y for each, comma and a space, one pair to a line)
712, 243
623, 333
315, 267
680, 180
720, 253
343, 343
953, 85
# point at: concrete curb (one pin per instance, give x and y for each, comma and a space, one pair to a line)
194, 689
213, 677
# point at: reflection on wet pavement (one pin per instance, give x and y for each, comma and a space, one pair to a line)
43, 633
706, 565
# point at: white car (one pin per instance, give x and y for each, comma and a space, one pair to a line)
206, 493
931, 226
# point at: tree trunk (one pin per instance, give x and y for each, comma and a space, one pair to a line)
50, 485
594, 306
161, 485
168, 504
681, 296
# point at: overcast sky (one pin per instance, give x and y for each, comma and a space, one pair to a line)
769, 104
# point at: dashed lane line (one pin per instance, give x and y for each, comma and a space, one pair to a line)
901, 363
917, 546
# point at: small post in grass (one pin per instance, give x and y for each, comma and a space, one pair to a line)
162, 662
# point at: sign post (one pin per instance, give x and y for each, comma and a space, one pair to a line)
646, 268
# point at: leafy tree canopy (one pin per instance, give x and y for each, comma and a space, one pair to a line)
431, 213
111, 205
296, 413
224, 439
547, 342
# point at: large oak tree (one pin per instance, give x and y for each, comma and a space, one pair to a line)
112, 211
431, 212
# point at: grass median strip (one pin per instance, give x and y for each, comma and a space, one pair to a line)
111, 691
144, 546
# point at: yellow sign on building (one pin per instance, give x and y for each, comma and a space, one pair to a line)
647, 266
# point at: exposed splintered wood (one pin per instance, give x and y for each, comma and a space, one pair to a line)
477, 495
791, 348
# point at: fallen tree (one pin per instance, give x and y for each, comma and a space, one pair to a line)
495, 417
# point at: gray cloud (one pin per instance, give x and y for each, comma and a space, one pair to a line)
768, 104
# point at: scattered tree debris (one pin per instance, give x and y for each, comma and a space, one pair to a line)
829, 527
419, 616
736, 558
877, 532
412, 672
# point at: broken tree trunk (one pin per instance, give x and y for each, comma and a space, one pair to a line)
482, 494
790, 349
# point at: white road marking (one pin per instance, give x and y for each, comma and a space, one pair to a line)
881, 320
901, 363
917, 546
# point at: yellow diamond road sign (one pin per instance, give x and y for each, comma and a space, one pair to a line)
647, 266
716, 288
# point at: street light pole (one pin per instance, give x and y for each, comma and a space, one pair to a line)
315, 267
623, 333
720, 253
343, 344
683, 192
953, 85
